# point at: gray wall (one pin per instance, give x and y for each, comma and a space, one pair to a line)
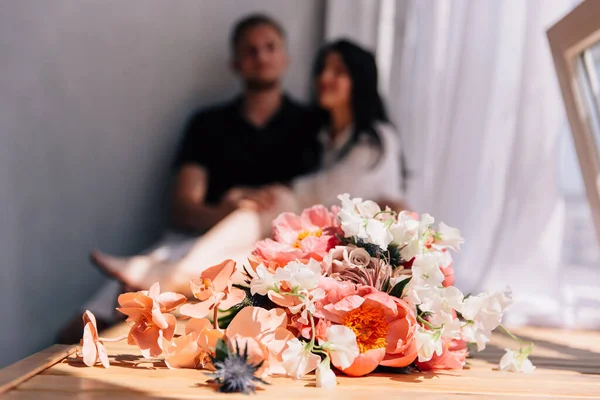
93, 95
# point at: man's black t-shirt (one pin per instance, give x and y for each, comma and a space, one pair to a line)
236, 153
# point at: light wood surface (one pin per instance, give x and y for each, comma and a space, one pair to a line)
568, 366
16, 373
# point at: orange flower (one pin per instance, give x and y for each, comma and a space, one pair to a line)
92, 348
183, 352
267, 328
148, 311
384, 326
215, 290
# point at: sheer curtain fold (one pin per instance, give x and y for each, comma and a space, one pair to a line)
475, 97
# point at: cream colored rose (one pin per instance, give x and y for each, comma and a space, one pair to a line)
359, 257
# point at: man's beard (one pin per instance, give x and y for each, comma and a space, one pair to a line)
257, 85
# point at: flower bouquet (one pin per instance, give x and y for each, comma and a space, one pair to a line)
352, 288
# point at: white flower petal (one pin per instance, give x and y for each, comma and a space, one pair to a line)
450, 237
326, 378
342, 346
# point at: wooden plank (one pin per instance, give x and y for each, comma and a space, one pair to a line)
568, 367
20, 371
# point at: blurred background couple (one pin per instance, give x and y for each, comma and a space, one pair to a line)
244, 162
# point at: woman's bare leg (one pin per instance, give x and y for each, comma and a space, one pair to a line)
234, 237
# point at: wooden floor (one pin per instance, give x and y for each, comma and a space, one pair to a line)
568, 366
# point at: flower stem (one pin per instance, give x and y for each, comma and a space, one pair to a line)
509, 333
469, 322
426, 323
313, 331
216, 317
518, 339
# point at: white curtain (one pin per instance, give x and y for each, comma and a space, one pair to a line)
474, 94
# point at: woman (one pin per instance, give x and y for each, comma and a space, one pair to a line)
361, 149
360, 155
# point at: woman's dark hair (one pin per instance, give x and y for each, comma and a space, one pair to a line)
367, 105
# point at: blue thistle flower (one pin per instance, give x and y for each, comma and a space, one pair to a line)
233, 371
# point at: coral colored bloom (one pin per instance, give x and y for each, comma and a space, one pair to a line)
148, 311
92, 348
195, 347
267, 327
310, 235
453, 356
384, 326
214, 289
183, 352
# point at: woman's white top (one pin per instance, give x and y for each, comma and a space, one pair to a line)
366, 171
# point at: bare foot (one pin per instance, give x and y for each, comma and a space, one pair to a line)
129, 271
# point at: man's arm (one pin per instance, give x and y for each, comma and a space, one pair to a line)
190, 210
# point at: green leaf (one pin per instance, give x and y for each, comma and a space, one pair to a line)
221, 352
399, 288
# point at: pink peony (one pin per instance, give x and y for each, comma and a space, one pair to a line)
310, 235
454, 355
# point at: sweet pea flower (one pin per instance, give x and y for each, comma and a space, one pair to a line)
325, 377
453, 356
378, 233
299, 276
447, 237
365, 220
484, 313
92, 348
517, 361
148, 313
298, 360
428, 342
341, 345
215, 290
426, 270
263, 281
353, 213
405, 229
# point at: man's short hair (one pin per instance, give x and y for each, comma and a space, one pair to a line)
249, 22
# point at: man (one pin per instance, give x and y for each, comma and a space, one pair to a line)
233, 154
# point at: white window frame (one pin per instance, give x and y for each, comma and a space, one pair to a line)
568, 38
